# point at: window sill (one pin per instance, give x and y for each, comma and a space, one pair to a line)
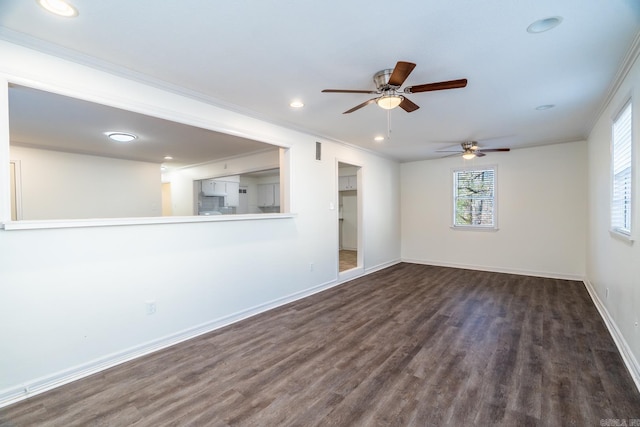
110, 222
472, 228
625, 238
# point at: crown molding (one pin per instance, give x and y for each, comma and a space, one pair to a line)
623, 71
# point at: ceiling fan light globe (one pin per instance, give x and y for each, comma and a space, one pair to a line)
59, 7
389, 102
468, 155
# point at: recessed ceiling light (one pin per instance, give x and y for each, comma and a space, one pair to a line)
544, 107
121, 136
59, 7
379, 138
296, 104
546, 24
168, 158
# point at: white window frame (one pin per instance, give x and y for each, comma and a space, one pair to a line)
492, 227
622, 230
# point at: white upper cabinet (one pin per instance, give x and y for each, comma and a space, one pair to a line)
211, 187
268, 195
347, 182
223, 187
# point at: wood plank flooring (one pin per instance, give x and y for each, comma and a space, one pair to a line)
410, 345
348, 259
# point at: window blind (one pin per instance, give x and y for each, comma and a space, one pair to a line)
474, 198
622, 171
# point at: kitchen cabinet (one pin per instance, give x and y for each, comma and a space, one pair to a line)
229, 189
268, 195
233, 194
211, 187
347, 182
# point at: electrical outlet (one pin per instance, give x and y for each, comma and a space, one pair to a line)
606, 293
151, 307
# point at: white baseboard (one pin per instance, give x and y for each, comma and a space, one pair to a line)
535, 273
40, 385
629, 359
382, 266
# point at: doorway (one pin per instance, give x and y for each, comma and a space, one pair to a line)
349, 218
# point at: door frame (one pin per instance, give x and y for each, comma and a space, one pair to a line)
15, 190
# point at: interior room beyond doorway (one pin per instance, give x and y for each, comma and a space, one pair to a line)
348, 216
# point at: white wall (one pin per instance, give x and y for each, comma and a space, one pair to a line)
347, 170
542, 216
73, 300
57, 185
614, 264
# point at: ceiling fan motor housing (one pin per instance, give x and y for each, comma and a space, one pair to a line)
381, 80
469, 145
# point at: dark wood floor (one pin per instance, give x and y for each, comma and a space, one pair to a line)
409, 345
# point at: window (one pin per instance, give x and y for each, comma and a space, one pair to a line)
474, 202
621, 172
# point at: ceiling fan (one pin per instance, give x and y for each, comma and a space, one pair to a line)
388, 84
470, 150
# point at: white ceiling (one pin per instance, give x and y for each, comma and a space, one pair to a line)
255, 56
50, 121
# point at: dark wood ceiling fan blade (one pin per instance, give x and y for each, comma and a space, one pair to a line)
348, 91
479, 154
364, 104
408, 105
451, 84
449, 151
401, 72
494, 150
